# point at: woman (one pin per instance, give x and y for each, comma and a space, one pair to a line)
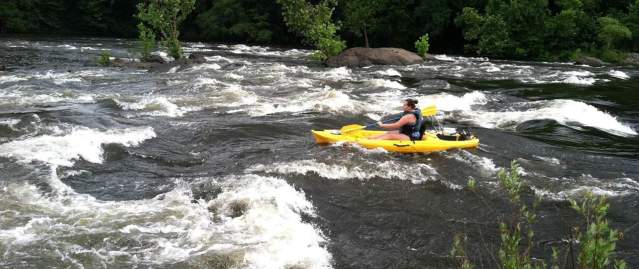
406, 128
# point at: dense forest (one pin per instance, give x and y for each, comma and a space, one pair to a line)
516, 29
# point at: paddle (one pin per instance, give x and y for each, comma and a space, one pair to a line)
426, 112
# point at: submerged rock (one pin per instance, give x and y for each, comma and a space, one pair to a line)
357, 57
591, 61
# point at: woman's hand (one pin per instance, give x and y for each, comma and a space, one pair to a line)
379, 123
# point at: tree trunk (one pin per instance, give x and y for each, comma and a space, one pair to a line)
365, 37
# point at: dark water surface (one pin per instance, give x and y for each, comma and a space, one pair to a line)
213, 165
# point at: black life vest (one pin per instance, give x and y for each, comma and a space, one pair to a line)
413, 130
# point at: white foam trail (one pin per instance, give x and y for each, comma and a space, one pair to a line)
233, 76
338, 73
483, 163
579, 80
568, 77
449, 102
266, 51
389, 72
325, 100
444, 57
266, 232
385, 84
218, 58
11, 78
154, 105
565, 112
550, 160
199, 67
234, 96
416, 173
618, 74
68, 47
79, 143
9, 122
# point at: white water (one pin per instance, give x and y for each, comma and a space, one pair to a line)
79, 142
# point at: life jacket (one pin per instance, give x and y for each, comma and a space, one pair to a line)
413, 130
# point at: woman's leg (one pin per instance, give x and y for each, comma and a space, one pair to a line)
382, 135
391, 136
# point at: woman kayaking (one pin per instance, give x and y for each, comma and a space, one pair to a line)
406, 128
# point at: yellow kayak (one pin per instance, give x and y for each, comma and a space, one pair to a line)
430, 143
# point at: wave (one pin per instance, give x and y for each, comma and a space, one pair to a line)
416, 173
254, 222
565, 112
80, 142
154, 105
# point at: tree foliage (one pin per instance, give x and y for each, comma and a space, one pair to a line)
314, 24
165, 17
522, 29
243, 21
362, 16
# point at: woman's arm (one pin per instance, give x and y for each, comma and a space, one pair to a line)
406, 119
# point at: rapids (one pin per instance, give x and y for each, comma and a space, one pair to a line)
214, 166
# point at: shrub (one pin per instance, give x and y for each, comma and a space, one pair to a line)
422, 45
105, 58
147, 41
165, 17
597, 241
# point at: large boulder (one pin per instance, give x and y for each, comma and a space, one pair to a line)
358, 57
591, 61
632, 59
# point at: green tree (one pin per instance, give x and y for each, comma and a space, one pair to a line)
362, 16
314, 24
611, 31
237, 20
21, 16
632, 21
165, 17
490, 33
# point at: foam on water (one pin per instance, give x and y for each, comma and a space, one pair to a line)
154, 105
324, 100
266, 51
618, 74
267, 232
234, 96
484, 164
68, 47
449, 102
565, 112
416, 173
444, 57
338, 73
389, 72
9, 122
384, 83
11, 78
80, 142
199, 67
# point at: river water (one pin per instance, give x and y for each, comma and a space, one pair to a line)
213, 165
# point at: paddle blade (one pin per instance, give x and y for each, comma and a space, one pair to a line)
428, 111
350, 128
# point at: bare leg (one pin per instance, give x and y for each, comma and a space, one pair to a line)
381, 135
391, 136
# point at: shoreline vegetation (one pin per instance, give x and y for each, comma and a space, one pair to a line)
581, 31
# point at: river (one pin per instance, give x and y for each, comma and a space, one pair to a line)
213, 165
